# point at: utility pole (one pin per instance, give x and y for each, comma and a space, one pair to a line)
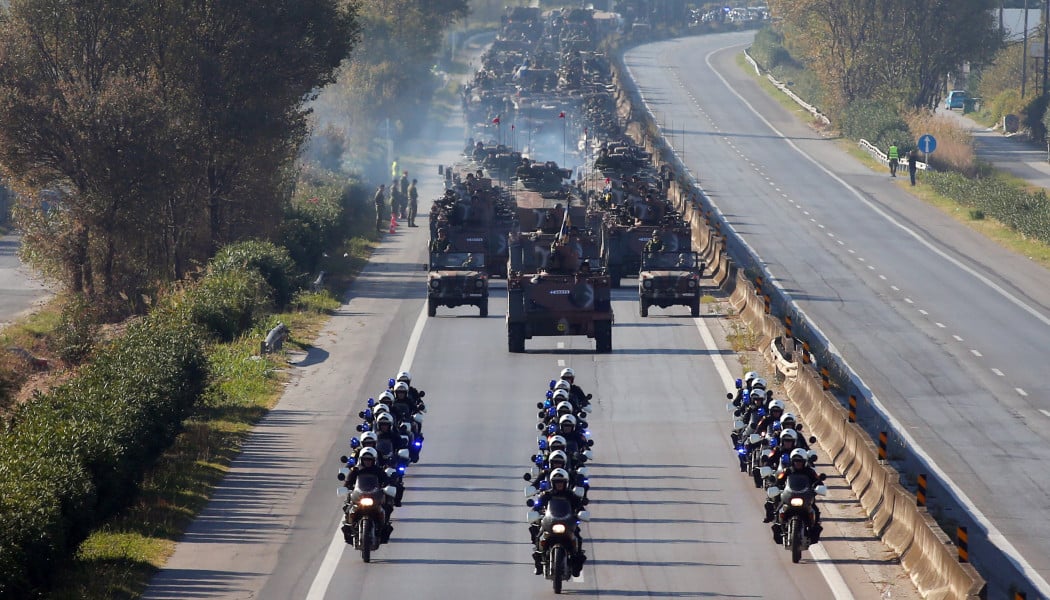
1024, 51
1046, 41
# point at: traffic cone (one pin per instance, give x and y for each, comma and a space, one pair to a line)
393, 224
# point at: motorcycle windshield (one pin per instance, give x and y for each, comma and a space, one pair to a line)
797, 483
559, 509
367, 483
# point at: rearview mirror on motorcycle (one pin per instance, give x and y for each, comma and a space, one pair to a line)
822, 476
585, 501
539, 426
590, 444
812, 458
530, 502
729, 395
422, 393
341, 476
527, 477
539, 405
589, 396
812, 439
343, 459
583, 515
773, 491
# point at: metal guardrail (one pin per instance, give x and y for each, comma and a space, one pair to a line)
784, 88
874, 151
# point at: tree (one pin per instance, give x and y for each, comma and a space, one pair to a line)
163, 128
897, 50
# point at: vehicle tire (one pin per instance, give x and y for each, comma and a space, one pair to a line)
694, 307
516, 337
431, 307
483, 307
366, 533
557, 567
603, 337
796, 530
643, 308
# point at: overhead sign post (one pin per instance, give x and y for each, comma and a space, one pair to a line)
927, 143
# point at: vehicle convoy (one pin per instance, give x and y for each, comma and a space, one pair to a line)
553, 290
476, 215
457, 279
669, 279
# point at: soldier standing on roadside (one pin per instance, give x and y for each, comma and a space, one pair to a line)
379, 199
413, 203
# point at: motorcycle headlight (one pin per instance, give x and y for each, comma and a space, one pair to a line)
648, 283
558, 528
797, 502
368, 501
434, 283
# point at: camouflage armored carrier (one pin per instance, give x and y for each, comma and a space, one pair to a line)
555, 288
477, 216
668, 279
622, 245
457, 279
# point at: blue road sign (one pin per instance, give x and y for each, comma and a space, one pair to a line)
927, 143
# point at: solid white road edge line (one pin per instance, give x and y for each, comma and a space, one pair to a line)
831, 574
319, 587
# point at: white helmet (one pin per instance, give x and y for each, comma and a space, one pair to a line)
562, 385
385, 418
560, 396
789, 434
564, 407
567, 419
567, 372
368, 453
559, 475
558, 455
404, 376
749, 376
799, 454
555, 439
758, 383
369, 436
776, 404
787, 417
401, 386
386, 397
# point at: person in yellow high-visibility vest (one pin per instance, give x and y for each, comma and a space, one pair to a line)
894, 160
393, 169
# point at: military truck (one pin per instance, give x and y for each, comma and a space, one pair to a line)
668, 279
457, 279
555, 287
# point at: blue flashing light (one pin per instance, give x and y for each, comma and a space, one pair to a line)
741, 450
552, 383
354, 442
738, 383
552, 428
544, 485
543, 444
365, 427
390, 382
368, 414
371, 402
538, 460
418, 444
773, 442
550, 394
351, 461
761, 412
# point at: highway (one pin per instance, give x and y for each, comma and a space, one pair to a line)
947, 329
20, 290
671, 514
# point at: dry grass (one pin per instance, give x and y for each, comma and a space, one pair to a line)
955, 146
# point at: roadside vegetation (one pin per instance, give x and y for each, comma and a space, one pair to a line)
178, 228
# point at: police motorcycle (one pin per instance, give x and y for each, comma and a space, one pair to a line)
797, 510
365, 518
557, 541
395, 461
414, 414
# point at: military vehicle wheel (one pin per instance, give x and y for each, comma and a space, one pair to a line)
614, 277
643, 308
483, 306
694, 307
432, 307
516, 337
603, 337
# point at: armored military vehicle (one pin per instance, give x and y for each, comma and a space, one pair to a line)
457, 279
554, 288
668, 279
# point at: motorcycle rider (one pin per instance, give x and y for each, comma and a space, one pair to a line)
799, 465
788, 421
788, 443
579, 398
416, 395
559, 487
573, 436
557, 459
775, 410
367, 463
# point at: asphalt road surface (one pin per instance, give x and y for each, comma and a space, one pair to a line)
948, 329
19, 289
671, 514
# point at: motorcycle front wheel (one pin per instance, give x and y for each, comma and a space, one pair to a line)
365, 535
557, 567
796, 530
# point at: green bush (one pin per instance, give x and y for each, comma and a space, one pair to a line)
76, 331
227, 303
1034, 114
1007, 102
271, 261
878, 122
1025, 213
768, 50
76, 455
